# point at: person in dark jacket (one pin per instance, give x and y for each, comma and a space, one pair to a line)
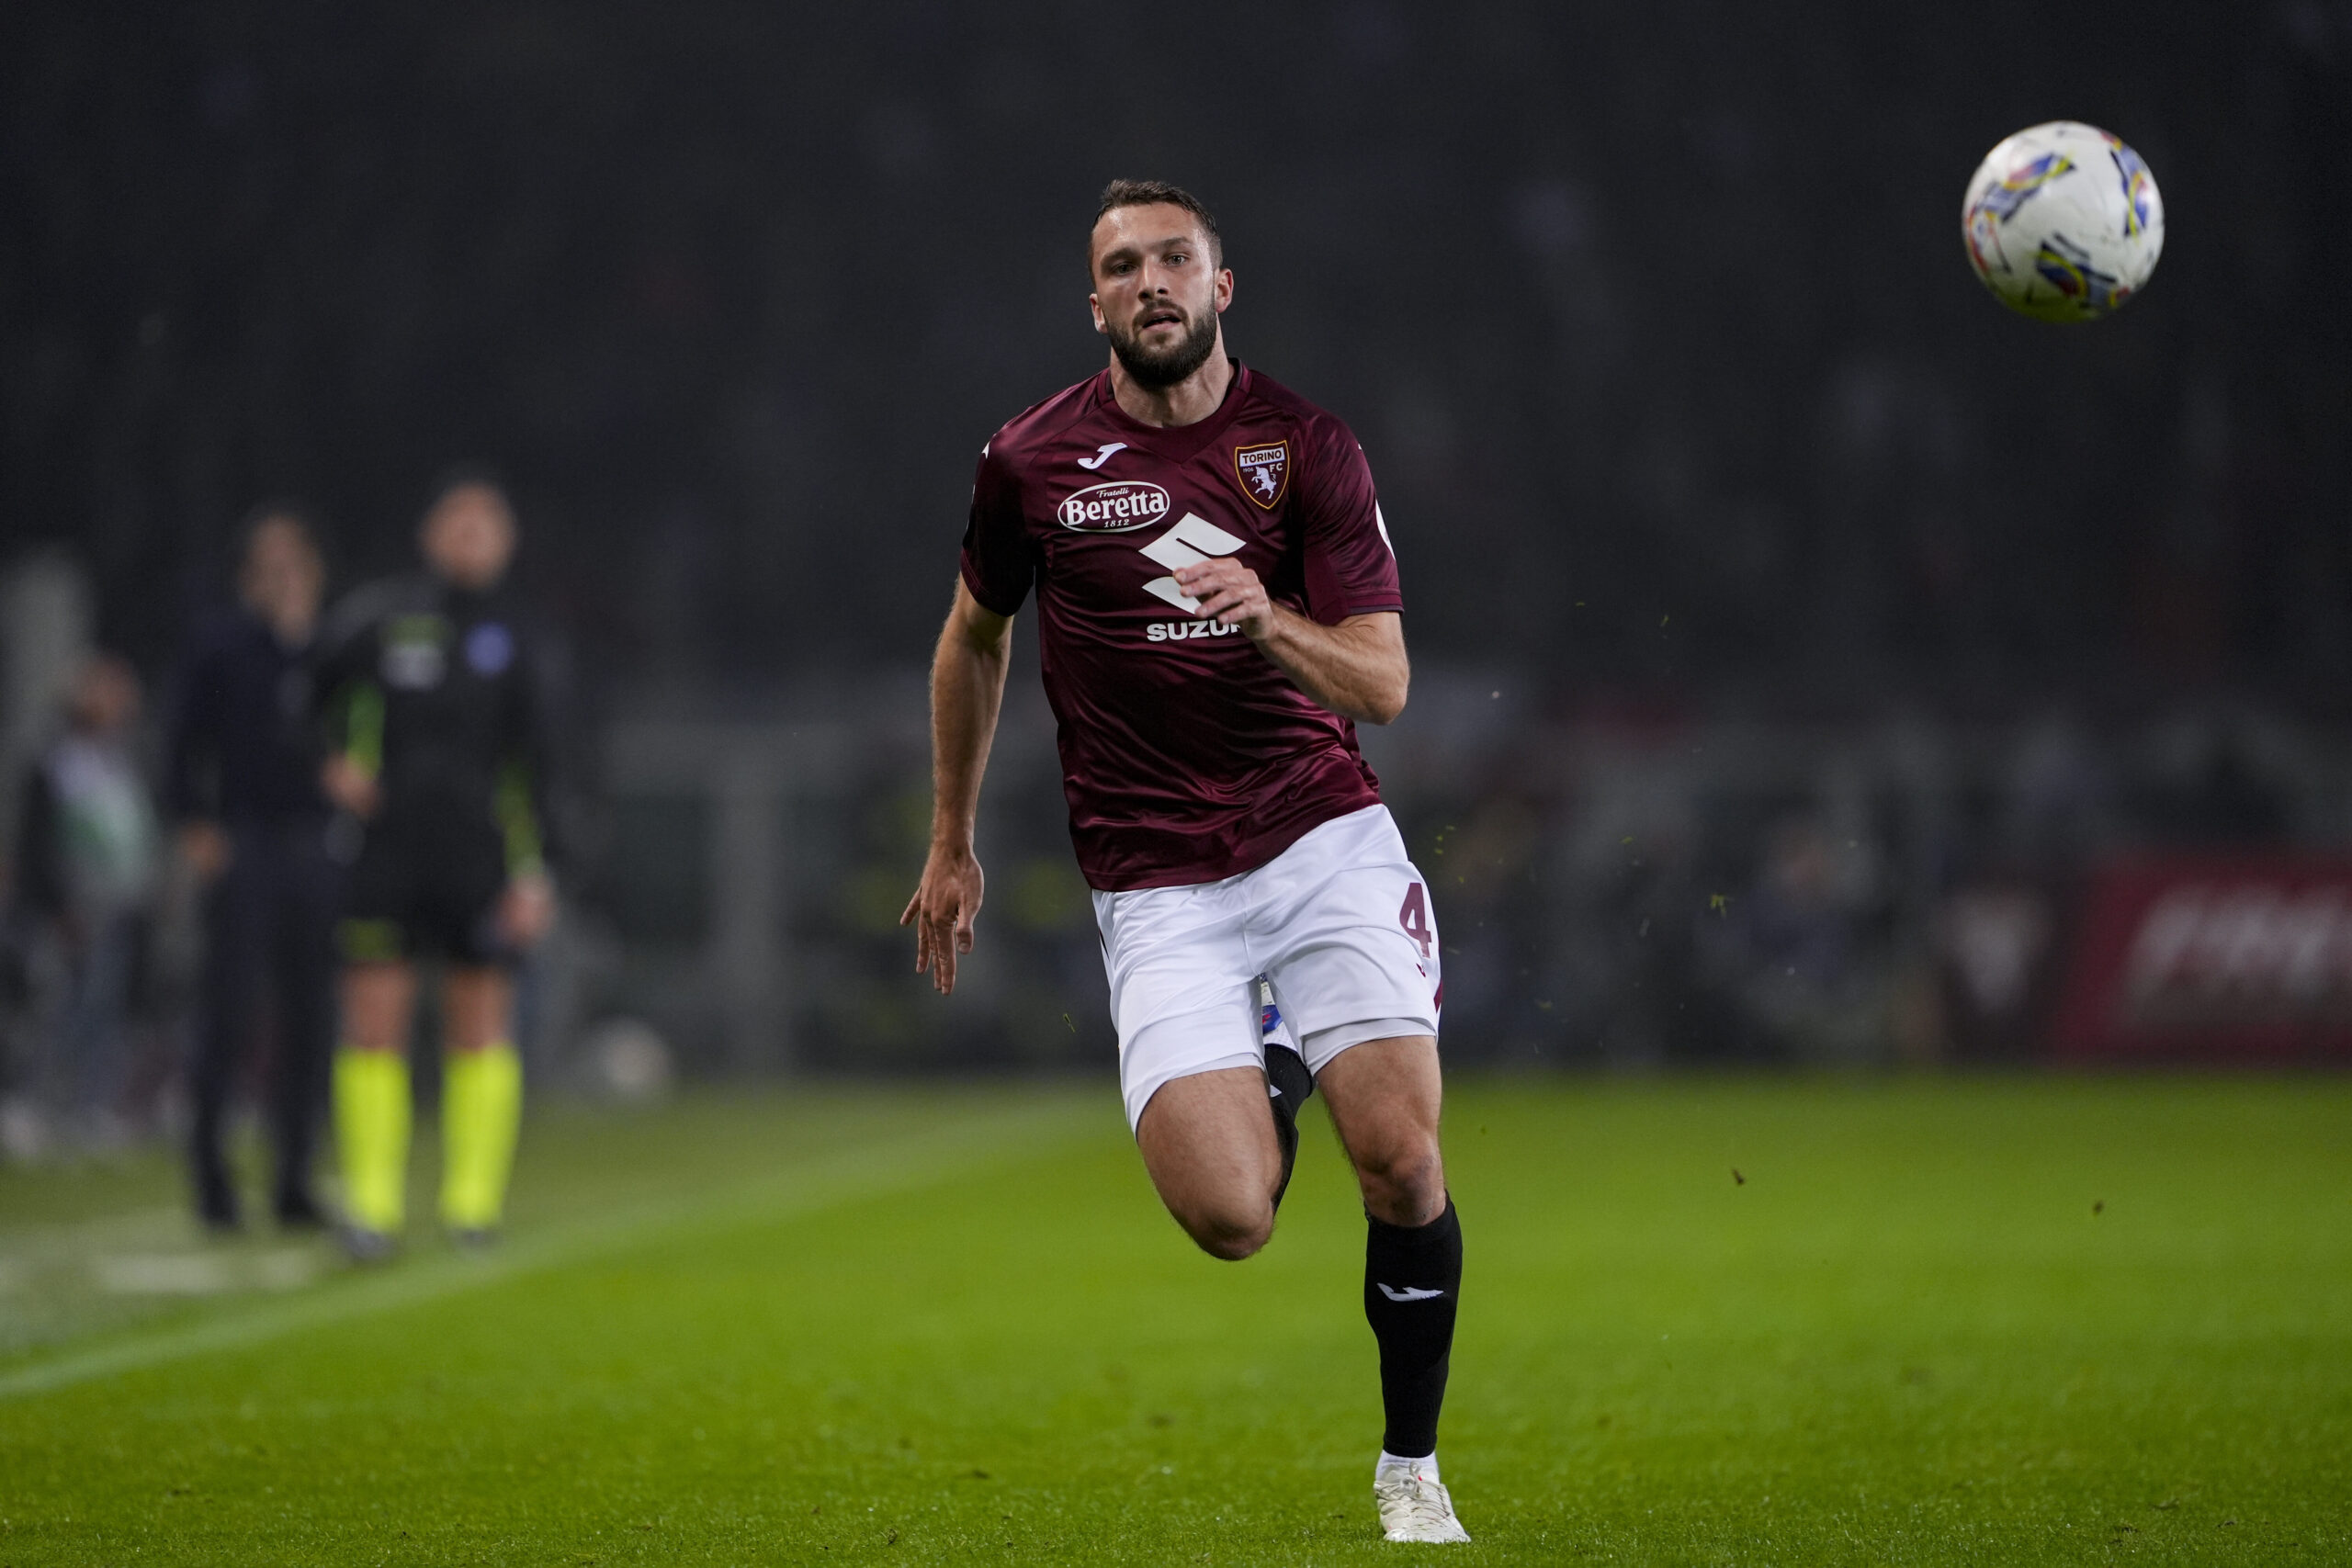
439, 744
244, 785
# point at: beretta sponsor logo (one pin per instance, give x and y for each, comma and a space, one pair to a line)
1113, 507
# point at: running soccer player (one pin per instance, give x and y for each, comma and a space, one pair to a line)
437, 747
1218, 606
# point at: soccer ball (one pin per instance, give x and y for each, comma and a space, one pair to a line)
2064, 222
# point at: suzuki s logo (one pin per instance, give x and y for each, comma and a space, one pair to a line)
1190, 543
1115, 507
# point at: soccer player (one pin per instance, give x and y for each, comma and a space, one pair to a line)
1218, 606
245, 782
438, 748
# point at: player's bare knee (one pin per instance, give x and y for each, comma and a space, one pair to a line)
1402, 1160
1233, 1246
1231, 1234
1405, 1178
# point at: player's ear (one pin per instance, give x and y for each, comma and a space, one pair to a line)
1223, 288
1094, 303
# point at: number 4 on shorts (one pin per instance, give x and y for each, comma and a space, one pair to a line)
1415, 917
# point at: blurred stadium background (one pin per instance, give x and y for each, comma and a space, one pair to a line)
1815, 665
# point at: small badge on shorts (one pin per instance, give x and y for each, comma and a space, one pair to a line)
1264, 472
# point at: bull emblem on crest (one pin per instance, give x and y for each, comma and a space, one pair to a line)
1264, 472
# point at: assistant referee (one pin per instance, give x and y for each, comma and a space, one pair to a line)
439, 746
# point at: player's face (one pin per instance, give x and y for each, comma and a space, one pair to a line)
105, 697
469, 537
1158, 291
283, 576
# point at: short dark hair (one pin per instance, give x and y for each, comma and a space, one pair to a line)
1154, 192
286, 511
466, 476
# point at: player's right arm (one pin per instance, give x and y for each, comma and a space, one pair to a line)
349, 706
968, 673
192, 788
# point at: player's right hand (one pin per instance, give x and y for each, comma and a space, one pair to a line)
350, 786
527, 909
205, 847
942, 912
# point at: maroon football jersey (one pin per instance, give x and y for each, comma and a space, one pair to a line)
1187, 755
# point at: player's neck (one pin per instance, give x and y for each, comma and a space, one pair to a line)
1189, 401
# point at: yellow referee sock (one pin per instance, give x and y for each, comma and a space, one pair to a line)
481, 1107
371, 1117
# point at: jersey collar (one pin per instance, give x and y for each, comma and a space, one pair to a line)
1177, 443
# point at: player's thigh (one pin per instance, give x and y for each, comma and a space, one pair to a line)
1179, 974
379, 1000
1385, 1092
1349, 939
378, 903
477, 1005
1207, 1141
461, 882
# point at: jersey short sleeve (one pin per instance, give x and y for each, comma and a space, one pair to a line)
1350, 568
999, 563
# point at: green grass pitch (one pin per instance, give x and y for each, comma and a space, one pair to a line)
1927, 1322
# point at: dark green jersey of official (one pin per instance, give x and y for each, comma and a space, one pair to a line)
435, 691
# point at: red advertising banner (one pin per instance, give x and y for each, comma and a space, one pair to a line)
2227, 959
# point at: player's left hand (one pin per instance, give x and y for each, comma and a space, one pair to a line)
527, 909
1230, 594
941, 911
350, 786
205, 847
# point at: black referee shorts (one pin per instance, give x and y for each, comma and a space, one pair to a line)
424, 888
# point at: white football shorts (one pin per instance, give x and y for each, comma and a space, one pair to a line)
1330, 944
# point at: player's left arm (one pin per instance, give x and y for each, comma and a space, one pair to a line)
1348, 651
1357, 668
524, 806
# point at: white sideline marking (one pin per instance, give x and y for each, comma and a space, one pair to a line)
162, 1274
204, 1273
901, 1165
157, 1229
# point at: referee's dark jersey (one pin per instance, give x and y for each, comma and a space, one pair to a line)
434, 690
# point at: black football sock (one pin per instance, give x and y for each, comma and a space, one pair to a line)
1411, 1276
1290, 1083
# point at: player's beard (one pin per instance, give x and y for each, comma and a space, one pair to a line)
1156, 368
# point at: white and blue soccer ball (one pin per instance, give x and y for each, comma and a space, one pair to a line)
2064, 222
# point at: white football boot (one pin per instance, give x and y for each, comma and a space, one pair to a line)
1414, 1507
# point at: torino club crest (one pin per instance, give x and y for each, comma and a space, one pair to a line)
1264, 472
